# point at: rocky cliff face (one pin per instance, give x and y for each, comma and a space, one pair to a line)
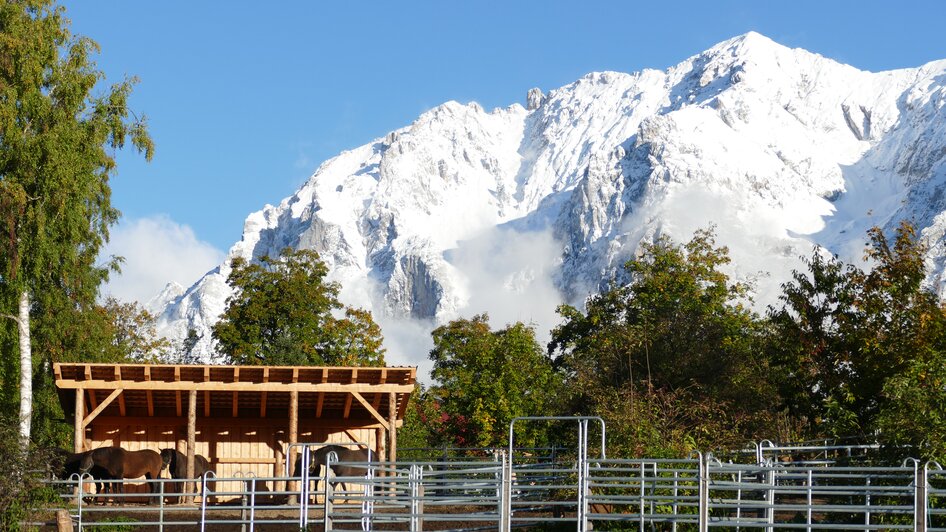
510, 210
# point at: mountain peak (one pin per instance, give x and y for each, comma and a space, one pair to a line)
780, 148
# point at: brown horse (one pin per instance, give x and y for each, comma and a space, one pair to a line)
176, 463
65, 464
122, 464
345, 454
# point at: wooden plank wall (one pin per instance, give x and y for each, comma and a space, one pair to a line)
233, 450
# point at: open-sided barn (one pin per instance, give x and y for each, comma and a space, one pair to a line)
242, 418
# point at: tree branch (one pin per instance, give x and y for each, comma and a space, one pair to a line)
14, 318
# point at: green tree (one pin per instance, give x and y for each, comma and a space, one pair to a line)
57, 137
678, 334
132, 334
848, 340
484, 379
282, 314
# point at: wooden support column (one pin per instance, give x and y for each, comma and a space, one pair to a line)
191, 441
392, 427
379, 448
293, 436
280, 465
80, 415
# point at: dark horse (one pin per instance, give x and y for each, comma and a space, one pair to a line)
65, 464
176, 462
122, 464
345, 454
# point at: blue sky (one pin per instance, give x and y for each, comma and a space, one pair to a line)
245, 99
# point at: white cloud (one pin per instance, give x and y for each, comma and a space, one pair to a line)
408, 343
157, 250
509, 274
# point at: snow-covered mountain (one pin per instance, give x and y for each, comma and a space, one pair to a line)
513, 210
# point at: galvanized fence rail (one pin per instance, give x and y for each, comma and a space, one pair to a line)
496, 493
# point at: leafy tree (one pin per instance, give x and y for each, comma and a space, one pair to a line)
132, 334
184, 352
282, 314
56, 156
423, 426
486, 378
678, 333
913, 420
849, 341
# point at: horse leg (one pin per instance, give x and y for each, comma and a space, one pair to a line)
152, 485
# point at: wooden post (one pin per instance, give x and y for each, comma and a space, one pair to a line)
280, 465
392, 427
191, 443
80, 414
380, 449
64, 521
293, 435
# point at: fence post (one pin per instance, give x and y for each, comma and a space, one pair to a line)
505, 499
809, 500
641, 527
329, 506
703, 520
919, 498
582, 475
770, 498
160, 505
79, 503
252, 504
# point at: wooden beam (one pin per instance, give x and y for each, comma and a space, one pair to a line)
293, 417
376, 402
191, 441
371, 410
177, 394
330, 387
206, 392
121, 404
402, 408
293, 435
236, 399
347, 406
379, 448
262, 402
392, 427
241, 460
148, 396
224, 423
351, 436
318, 405
93, 403
79, 439
98, 409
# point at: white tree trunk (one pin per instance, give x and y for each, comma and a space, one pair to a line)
26, 370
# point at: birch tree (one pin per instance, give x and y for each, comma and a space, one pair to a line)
59, 129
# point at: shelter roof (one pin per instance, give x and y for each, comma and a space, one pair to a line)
153, 390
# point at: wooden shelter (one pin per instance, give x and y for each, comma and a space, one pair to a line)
242, 418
